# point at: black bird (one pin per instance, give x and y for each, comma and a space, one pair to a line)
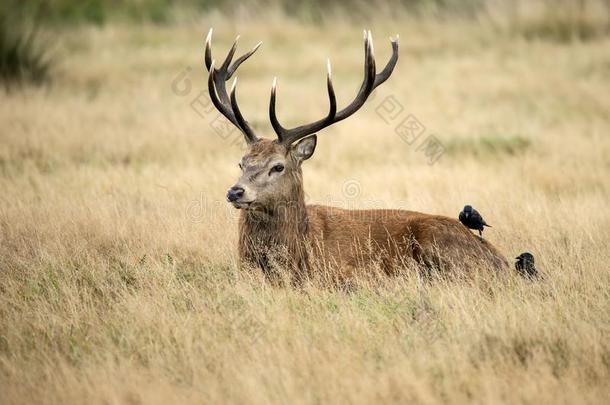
525, 265
472, 219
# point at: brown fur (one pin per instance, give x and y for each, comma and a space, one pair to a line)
277, 229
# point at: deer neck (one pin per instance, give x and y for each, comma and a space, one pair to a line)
281, 228
283, 220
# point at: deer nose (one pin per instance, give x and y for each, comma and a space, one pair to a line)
235, 193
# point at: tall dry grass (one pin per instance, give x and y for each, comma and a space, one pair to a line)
119, 279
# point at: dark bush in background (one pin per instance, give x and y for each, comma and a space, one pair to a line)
23, 57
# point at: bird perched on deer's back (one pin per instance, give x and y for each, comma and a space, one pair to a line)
472, 219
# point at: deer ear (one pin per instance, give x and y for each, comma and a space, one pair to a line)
305, 148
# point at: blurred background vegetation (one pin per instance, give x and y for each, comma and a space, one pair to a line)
560, 17
24, 56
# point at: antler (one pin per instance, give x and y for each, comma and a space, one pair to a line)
370, 82
217, 79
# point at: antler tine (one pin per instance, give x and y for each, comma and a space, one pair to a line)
387, 71
331, 92
241, 59
248, 132
277, 127
369, 83
208, 49
227, 105
229, 57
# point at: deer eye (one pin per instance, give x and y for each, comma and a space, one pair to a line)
240, 166
277, 168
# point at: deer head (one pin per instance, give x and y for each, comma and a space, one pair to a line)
271, 169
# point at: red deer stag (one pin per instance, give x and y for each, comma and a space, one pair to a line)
277, 228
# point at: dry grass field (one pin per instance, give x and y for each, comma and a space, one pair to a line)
119, 280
